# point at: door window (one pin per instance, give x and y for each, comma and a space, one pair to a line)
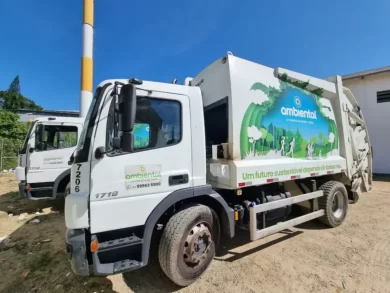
56, 137
157, 124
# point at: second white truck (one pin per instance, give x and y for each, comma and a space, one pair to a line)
43, 170
233, 148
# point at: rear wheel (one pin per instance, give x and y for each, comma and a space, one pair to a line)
188, 244
334, 203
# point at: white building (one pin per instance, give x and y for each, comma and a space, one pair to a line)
371, 88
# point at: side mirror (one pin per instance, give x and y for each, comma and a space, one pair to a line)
40, 132
40, 146
127, 109
60, 137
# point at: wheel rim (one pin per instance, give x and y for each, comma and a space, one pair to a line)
338, 204
197, 245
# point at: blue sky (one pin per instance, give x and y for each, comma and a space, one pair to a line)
160, 40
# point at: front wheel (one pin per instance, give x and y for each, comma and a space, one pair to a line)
188, 244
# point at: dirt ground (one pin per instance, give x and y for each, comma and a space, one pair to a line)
354, 257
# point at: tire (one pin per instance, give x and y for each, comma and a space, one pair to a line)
181, 238
67, 190
334, 203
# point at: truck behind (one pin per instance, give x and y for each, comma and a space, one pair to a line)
43, 170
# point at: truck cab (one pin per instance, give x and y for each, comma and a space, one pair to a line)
43, 170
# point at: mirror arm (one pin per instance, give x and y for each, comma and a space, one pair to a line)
100, 152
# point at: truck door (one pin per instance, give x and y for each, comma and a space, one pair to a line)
48, 156
126, 187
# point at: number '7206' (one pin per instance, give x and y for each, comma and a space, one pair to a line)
78, 178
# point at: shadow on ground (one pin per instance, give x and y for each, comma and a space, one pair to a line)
11, 203
33, 257
153, 279
242, 238
35, 260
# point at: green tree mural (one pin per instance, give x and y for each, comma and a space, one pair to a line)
321, 137
289, 136
271, 135
298, 141
263, 136
269, 139
325, 140
314, 140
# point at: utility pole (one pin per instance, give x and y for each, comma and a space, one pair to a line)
87, 58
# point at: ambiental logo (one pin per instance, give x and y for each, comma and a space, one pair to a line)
297, 112
297, 101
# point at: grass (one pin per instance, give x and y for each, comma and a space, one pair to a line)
41, 261
21, 248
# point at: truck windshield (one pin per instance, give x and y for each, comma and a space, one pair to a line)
89, 123
24, 148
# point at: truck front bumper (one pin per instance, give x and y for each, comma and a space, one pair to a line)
76, 248
26, 194
85, 263
22, 190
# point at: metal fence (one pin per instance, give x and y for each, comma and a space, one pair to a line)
9, 154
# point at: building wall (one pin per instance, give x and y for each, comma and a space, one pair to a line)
377, 115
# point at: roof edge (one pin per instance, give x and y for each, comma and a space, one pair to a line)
366, 72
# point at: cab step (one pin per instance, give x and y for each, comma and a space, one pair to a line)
126, 265
119, 243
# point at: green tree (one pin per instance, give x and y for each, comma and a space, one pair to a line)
12, 134
263, 136
269, 139
272, 130
15, 86
325, 140
321, 137
12, 101
11, 127
298, 141
314, 140
289, 136
279, 134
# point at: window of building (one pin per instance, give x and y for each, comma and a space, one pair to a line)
56, 137
383, 96
157, 124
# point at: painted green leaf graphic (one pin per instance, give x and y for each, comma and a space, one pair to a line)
244, 145
282, 140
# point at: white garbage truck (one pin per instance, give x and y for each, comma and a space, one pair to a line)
43, 168
233, 148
